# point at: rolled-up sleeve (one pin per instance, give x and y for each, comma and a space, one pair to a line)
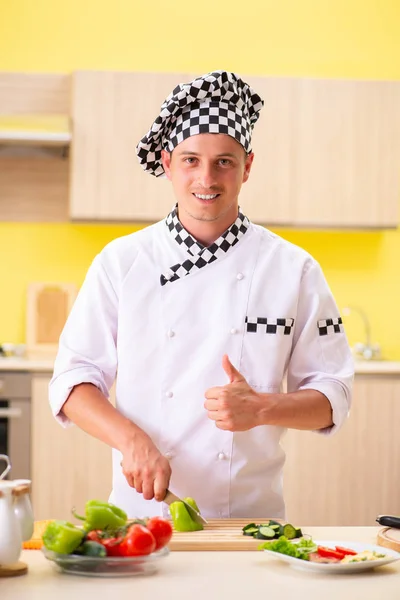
87, 346
321, 358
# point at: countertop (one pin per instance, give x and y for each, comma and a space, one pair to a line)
213, 575
46, 364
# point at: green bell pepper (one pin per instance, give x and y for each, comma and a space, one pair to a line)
102, 515
181, 518
62, 537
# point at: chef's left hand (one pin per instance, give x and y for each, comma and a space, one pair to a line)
234, 406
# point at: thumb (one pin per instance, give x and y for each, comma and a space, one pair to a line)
233, 374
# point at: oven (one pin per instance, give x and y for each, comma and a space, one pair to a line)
15, 422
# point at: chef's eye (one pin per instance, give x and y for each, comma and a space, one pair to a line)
190, 160
224, 162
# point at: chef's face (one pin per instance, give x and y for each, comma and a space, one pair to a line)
207, 172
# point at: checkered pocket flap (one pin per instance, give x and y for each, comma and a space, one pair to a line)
279, 326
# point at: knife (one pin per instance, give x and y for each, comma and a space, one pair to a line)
196, 516
389, 521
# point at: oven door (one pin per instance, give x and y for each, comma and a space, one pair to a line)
15, 426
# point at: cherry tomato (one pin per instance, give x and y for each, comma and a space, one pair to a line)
138, 541
345, 551
329, 553
161, 529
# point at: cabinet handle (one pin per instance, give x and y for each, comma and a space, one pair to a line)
10, 413
2, 383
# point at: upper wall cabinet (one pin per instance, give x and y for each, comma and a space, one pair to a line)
327, 152
111, 112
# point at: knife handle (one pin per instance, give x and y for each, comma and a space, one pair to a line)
389, 521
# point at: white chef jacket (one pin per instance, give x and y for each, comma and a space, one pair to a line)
167, 343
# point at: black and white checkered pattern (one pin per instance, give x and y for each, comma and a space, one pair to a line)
268, 325
218, 102
202, 255
329, 326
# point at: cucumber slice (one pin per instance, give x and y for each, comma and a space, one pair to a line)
289, 531
299, 532
250, 531
265, 533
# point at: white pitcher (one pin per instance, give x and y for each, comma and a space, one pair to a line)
23, 508
4, 457
10, 532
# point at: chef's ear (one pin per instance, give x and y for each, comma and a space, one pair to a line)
166, 161
247, 166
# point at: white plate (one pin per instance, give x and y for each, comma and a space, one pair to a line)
390, 556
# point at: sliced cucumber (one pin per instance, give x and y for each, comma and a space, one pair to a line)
265, 533
289, 531
250, 531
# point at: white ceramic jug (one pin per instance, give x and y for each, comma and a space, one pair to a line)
10, 532
23, 508
4, 473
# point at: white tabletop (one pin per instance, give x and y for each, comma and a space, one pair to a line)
213, 575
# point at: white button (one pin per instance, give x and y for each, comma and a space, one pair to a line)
170, 333
169, 394
233, 330
221, 456
168, 455
239, 276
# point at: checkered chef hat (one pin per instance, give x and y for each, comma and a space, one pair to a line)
218, 102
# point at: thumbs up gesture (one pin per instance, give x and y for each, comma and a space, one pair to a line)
234, 406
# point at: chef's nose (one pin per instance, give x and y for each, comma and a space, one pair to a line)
206, 176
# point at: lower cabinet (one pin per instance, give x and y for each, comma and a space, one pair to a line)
69, 467
346, 479
353, 476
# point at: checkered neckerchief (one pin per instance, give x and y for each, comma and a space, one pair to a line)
202, 255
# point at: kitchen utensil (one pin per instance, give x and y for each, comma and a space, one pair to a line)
4, 473
389, 538
219, 535
10, 538
170, 498
23, 508
389, 521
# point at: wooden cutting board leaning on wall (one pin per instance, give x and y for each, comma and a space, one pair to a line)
48, 306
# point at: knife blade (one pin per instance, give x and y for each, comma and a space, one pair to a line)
389, 521
196, 516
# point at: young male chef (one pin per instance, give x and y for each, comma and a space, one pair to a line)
199, 317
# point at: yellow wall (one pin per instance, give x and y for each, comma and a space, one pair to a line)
322, 38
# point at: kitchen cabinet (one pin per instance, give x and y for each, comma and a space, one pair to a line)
111, 112
351, 477
34, 171
69, 467
327, 152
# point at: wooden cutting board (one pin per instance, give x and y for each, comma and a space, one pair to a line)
219, 535
389, 538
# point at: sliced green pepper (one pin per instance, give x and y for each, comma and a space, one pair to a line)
181, 518
102, 515
62, 537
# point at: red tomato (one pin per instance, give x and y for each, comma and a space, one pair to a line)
138, 541
345, 551
161, 529
111, 544
329, 552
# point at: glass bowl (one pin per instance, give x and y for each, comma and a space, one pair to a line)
111, 566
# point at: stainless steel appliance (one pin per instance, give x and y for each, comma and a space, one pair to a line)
15, 421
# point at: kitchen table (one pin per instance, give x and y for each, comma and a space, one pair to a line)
213, 575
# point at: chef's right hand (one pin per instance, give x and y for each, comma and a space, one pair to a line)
145, 468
